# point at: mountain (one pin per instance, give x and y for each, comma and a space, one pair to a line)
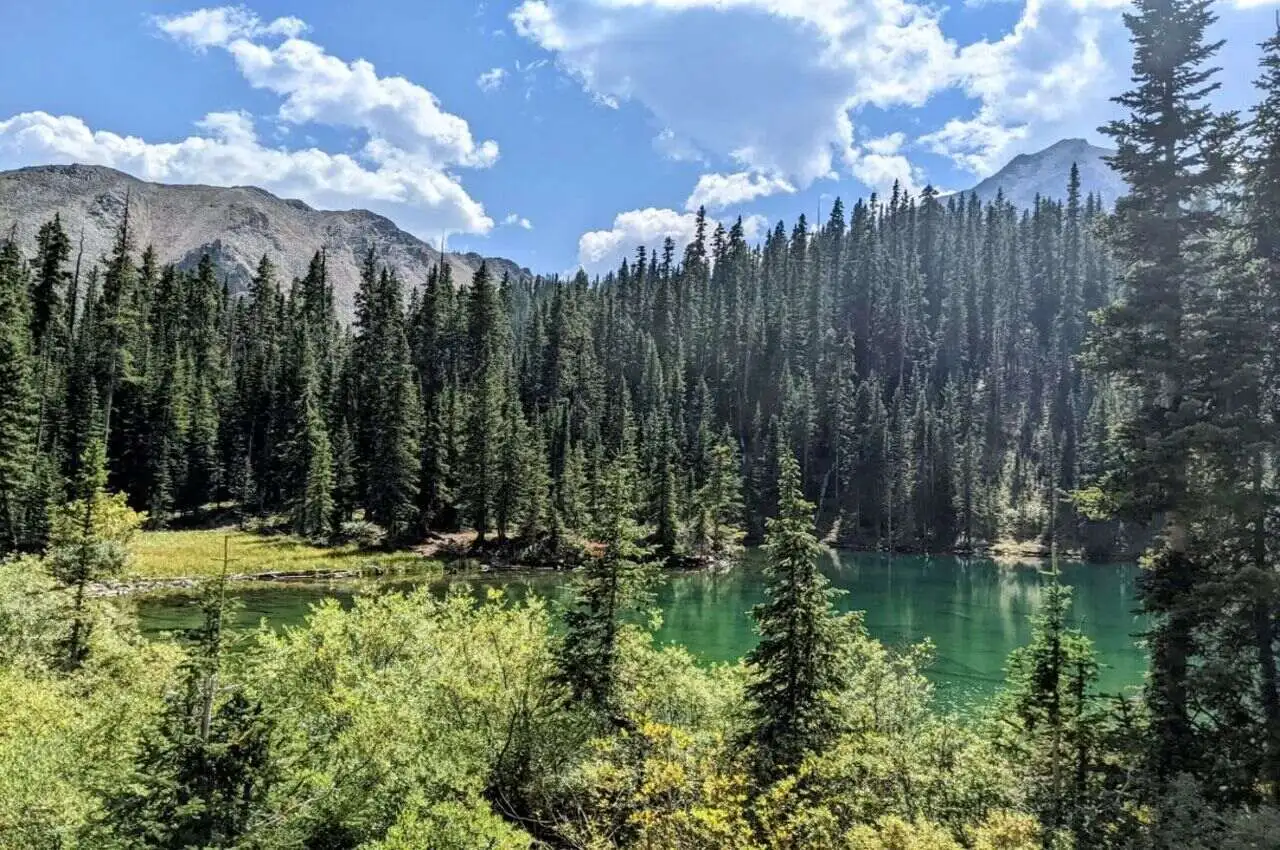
1045, 173
236, 226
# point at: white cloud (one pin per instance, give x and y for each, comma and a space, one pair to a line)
218, 26
491, 79
717, 191
813, 64
880, 171
809, 62
230, 154
319, 88
601, 251
1047, 78
519, 221
886, 145
405, 142
675, 148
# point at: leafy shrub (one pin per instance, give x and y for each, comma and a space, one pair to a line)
362, 532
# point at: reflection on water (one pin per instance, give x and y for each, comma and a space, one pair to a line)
975, 611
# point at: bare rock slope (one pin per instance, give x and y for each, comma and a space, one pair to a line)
1045, 173
236, 226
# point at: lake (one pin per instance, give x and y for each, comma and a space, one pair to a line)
975, 611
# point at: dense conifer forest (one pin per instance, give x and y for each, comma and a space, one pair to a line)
914, 373
920, 355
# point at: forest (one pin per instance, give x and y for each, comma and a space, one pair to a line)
916, 373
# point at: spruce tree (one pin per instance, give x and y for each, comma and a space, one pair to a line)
1057, 722
612, 587
800, 666
87, 543
1255, 331
17, 399
1170, 151
203, 773
387, 403
489, 359
312, 511
718, 522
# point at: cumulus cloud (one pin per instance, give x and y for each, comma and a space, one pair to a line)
406, 142
229, 153
717, 191
1046, 78
601, 251
491, 79
809, 63
519, 221
319, 88
813, 64
218, 26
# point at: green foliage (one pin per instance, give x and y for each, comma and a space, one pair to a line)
17, 398
386, 403
716, 531
934, 372
202, 773
612, 587
800, 666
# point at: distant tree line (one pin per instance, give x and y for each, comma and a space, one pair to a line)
919, 353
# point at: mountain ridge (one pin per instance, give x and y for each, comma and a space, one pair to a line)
1044, 173
236, 225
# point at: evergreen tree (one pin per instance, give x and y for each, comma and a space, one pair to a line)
313, 509
1257, 315
204, 772
718, 525
800, 666
1171, 152
87, 543
17, 399
612, 587
489, 359
387, 404
1058, 725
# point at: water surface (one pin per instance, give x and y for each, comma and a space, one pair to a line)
975, 611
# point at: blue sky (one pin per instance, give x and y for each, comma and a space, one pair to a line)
565, 132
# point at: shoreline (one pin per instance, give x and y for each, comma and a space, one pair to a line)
474, 564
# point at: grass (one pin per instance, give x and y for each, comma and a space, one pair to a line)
195, 554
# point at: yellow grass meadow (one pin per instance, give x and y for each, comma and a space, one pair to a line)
188, 554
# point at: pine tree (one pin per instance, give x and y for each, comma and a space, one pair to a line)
1254, 329
1057, 722
87, 543
720, 506
53, 250
1170, 151
800, 666
387, 405
612, 587
490, 363
202, 775
313, 507
17, 399
535, 492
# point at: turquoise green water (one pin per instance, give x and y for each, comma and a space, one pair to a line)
975, 611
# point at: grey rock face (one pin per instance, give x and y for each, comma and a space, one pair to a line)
1045, 173
235, 226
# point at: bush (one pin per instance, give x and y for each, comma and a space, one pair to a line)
362, 532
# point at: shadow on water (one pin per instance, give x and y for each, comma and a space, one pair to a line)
975, 611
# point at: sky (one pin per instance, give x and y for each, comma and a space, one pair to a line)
563, 133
